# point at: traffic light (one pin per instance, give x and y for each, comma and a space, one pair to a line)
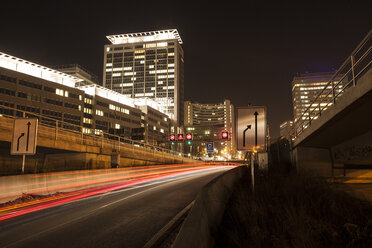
189, 138
172, 137
225, 135
180, 137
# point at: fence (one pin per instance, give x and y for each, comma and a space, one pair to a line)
54, 128
355, 66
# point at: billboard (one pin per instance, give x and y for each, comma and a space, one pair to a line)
251, 128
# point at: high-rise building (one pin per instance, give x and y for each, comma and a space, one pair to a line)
78, 71
207, 121
306, 88
147, 65
285, 129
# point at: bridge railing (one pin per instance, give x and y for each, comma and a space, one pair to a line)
55, 128
354, 67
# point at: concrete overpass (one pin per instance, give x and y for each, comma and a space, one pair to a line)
60, 149
338, 135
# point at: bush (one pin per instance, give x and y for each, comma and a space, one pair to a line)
292, 210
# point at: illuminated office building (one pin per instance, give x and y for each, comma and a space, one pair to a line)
305, 89
78, 71
286, 128
207, 121
54, 98
147, 65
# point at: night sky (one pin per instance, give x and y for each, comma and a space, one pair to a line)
246, 53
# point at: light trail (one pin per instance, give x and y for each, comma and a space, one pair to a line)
144, 175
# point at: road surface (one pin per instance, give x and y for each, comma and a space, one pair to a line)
126, 216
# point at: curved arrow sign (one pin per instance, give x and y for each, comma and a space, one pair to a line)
24, 136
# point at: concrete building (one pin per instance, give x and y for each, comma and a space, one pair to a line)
78, 71
305, 89
207, 121
156, 126
286, 128
148, 64
41, 91
108, 111
92, 109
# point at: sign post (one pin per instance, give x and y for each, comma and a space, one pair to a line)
210, 147
247, 119
24, 138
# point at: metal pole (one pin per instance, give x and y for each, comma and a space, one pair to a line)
56, 129
333, 92
23, 155
23, 163
352, 69
252, 172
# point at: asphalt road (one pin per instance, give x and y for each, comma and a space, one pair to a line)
127, 217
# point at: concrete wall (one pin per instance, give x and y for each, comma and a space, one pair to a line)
312, 160
206, 214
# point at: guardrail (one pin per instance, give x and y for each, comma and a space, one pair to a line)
344, 78
62, 130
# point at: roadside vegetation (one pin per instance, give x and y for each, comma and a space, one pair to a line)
291, 210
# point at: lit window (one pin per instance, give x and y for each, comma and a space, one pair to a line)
162, 44
87, 111
117, 126
87, 120
86, 130
59, 92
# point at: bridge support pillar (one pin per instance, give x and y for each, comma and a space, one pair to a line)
313, 160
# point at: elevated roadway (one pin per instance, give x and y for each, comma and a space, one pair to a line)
330, 139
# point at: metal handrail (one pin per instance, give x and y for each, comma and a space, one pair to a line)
314, 112
59, 126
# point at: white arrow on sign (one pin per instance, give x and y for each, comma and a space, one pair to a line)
24, 136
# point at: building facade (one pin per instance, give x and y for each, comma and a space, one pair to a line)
78, 71
286, 128
55, 99
207, 121
305, 88
41, 91
147, 65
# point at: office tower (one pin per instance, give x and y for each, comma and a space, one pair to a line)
147, 65
306, 88
286, 128
207, 121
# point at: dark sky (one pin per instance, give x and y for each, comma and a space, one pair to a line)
246, 53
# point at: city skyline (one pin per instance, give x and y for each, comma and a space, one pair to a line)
229, 53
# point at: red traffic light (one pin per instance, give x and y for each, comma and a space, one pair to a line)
189, 136
180, 137
172, 137
225, 134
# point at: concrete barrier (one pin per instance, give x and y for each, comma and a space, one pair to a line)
206, 214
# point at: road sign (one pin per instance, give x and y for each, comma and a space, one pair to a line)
24, 136
251, 128
210, 147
